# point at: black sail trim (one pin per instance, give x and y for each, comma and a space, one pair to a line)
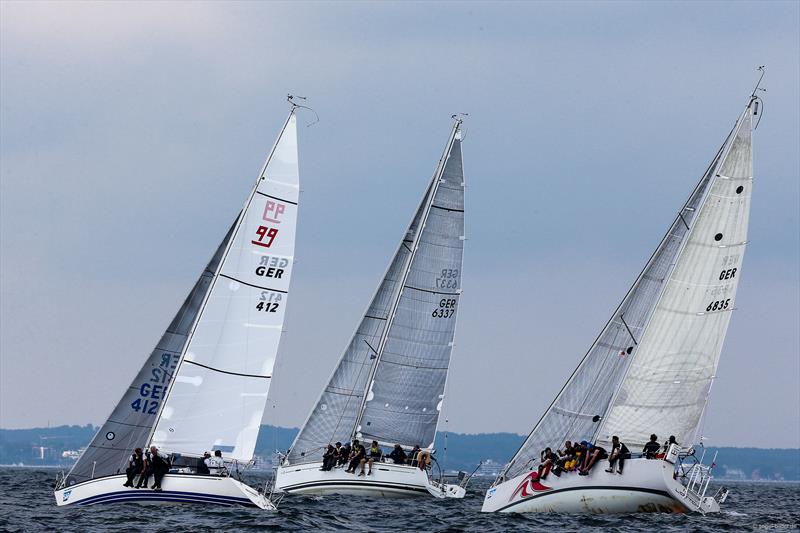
251, 285
226, 371
276, 198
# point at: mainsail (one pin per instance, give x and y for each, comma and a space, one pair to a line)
217, 397
132, 420
389, 383
651, 367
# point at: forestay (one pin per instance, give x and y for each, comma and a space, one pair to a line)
132, 420
420, 344
587, 396
218, 396
668, 382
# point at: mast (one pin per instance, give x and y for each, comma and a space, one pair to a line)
393, 310
231, 240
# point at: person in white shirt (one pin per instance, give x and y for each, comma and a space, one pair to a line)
216, 465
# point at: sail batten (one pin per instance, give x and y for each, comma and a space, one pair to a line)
603, 381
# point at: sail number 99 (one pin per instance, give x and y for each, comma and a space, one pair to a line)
719, 305
447, 308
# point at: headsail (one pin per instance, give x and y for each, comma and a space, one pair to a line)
415, 351
217, 398
133, 418
592, 389
667, 384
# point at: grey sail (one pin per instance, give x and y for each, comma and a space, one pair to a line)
132, 420
338, 411
582, 403
406, 394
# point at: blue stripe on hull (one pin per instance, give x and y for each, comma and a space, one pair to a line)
145, 495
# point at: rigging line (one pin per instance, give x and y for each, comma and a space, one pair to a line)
370, 346
227, 371
290, 98
684, 221
622, 317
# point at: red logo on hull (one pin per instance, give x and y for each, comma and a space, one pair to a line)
531, 482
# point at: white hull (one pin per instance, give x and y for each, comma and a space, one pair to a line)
388, 480
177, 488
646, 486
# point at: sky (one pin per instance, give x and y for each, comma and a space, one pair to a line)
131, 133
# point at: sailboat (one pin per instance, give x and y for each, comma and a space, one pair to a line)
651, 368
390, 381
204, 387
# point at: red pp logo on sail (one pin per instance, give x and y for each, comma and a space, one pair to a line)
273, 211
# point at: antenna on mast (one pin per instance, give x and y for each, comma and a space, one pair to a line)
763, 70
290, 98
755, 99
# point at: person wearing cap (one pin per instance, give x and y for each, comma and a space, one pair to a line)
593, 454
202, 467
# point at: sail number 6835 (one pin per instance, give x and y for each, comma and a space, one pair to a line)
719, 305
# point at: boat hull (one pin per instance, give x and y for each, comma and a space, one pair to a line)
646, 486
176, 488
387, 481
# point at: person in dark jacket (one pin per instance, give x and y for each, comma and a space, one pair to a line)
594, 453
356, 455
398, 455
329, 458
344, 454
650, 449
547, 460
160, 467
202, 467
147, 471
619, 452
669, 443
135, 466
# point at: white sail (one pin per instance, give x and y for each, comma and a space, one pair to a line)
218, 396
398, 401
583, 408
667, 384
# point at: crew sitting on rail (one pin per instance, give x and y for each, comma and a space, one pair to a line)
328, 458
650, 450
565, 457
548, 459
593, 454
344, 454
356, 455
398, 455
619, 452
216, 465
135, 466
374, 454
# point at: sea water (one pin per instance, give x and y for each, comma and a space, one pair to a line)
27, 504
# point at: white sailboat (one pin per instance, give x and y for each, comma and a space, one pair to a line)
389, 383
651, 368
204, 387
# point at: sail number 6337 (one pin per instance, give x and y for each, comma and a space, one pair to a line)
447, 308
